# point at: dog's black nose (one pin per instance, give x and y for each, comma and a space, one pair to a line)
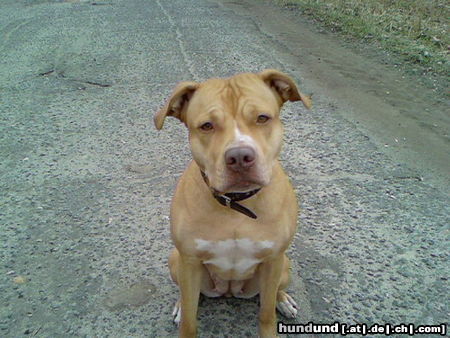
240, 158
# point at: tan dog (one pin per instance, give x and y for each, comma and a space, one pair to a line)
234, 212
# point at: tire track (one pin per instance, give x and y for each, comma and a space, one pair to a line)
178, 36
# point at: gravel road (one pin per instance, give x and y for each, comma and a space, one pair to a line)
86, 180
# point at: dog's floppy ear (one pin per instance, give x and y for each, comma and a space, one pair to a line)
284, 87
176, 104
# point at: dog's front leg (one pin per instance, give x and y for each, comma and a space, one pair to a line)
189, 278
269, 281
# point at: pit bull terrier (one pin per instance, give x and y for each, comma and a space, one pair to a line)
234, 212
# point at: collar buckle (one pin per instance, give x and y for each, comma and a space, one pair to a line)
230, 199
227, 199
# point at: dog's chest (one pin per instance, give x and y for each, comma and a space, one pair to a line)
237, 257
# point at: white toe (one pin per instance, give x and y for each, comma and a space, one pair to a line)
288, 307
291, 300
176, 313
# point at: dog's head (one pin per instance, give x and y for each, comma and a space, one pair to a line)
234, 125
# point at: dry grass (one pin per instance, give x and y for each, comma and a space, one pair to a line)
417, 30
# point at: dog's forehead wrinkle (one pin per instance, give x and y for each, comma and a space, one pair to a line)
209, 113
210, 91
236, 96
216, 99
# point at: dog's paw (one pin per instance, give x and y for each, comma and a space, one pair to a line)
286, 305
176, 313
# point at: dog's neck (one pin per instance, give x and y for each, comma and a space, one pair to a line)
230, 199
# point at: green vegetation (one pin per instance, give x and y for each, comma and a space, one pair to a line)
416, 30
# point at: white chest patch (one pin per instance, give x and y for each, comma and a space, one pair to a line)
233, 254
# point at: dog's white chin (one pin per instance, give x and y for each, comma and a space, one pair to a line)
242, 187
228, 181
242, 184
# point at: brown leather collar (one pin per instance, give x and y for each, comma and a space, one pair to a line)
229, 199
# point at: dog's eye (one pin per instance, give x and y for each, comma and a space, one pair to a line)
262, 119
207, 126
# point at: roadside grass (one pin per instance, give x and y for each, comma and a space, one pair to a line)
415, 30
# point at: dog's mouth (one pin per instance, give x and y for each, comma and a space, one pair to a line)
243, 186
241, 182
